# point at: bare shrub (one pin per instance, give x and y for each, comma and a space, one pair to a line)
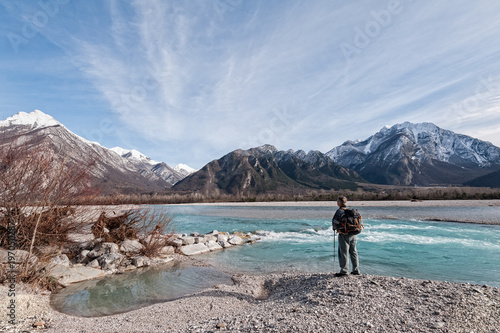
39, 189
152, 226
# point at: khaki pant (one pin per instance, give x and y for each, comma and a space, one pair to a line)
347, 245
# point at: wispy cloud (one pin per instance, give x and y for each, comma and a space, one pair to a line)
195, 80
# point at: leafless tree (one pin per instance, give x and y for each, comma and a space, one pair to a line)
39, 188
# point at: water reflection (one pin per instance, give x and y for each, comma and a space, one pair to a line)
133, 290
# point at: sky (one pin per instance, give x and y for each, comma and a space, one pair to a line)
189, 81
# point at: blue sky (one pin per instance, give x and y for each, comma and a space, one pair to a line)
189, 81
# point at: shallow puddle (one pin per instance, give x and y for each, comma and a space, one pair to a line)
136, 289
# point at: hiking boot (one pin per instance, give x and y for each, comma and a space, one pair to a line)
355, 273
340, 274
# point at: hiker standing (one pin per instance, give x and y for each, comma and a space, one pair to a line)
348, 226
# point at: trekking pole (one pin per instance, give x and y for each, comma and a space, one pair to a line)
334, 248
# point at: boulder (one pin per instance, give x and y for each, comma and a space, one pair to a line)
199, 239
82, 257
235, 240
225, 244
177, 242
210, 238
66, 275
213, 233
213, 245
131, 246
141, 261
103, 248
94, 264
187, 240
61, 259
193, 249
166, 250
110, 260
222, 238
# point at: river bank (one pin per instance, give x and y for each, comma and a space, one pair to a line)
292, 302
289, 302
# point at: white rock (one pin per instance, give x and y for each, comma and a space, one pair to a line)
222, 238
94, 264
103, 248
187, 240
66, 275
200, 239
194, 249
235, 240
131, 246
110, 260
82, 257
213, 245
166, 250
224, 244
61, 259
141, 261
210, 238
177, 242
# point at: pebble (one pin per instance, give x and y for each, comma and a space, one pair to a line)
309, 303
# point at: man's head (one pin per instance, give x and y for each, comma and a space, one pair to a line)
342, 201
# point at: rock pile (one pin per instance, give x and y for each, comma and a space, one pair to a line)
96, 258
203, 243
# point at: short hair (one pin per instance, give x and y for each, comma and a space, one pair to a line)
342, 200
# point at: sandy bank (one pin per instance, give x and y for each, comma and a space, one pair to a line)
307, 303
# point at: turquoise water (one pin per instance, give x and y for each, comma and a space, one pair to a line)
300, 239
395, 242
136, 289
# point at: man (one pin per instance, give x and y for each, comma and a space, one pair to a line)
347, 240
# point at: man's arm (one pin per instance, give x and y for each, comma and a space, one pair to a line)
337, 218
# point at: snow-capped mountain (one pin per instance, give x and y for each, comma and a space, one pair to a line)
184, 170
114, 173
418, 154
145, 164
34, 120
133, 155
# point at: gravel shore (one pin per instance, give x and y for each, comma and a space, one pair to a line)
302, 303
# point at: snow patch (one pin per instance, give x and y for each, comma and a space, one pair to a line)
36, 119
184, 169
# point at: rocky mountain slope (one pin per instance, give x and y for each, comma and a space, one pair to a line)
418, 154
112, 172
265, 169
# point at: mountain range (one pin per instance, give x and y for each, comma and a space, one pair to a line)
418, 154
265, 169
116, 170
405, 154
